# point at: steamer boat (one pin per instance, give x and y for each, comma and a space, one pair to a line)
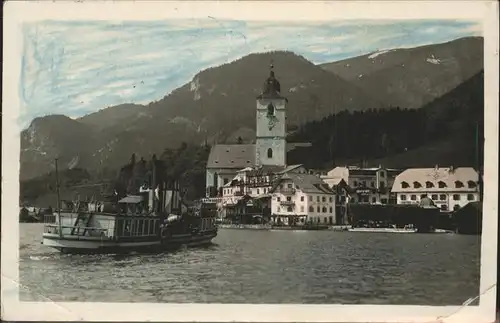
152, 220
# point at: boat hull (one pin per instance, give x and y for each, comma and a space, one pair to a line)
88, 246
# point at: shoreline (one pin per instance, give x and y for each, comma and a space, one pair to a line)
269, 227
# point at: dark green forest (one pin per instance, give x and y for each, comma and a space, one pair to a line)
455, 120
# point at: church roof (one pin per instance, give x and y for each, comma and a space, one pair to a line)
239, 156
231, 156
272, 87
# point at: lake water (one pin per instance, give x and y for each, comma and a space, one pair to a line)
247, 266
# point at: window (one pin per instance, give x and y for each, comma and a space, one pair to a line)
423, 195
374, 199
429, 184
310, 198
372, 184
456, 197
278, 209
323, 209
302, 208
311, 209
434, 196
331, 199
383, 201
325, 220
270, 109
403, 197
459, 184
470, 197
225, 181
441, 184
382, 184
323, 199
417, 184
331, 209
317, 198
289, 186
355, 183
444, 207
456, 207
318, 209
258, 192
382, 174
442, 197
270, 153
405, 185
278, 199
288, 198
289, 209
413, 197
302, 199
364, 183
471, 184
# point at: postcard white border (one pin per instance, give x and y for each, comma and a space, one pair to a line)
17, 12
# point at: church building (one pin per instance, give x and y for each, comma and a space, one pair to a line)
270, 148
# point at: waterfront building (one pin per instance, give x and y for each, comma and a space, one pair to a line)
270, 147
299, 198
448, 187
342, 195
365, 185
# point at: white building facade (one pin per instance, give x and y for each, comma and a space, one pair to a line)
449, 188
302, 198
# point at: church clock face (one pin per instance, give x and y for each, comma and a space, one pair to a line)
272, 122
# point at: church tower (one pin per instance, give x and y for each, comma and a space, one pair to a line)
270, 144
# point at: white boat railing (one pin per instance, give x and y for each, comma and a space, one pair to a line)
78, 231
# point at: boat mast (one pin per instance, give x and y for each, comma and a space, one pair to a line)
58, 200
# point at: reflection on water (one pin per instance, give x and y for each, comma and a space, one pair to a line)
264, 267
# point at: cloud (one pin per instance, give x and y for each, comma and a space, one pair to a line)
74, 68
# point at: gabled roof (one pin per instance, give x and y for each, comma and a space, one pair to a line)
231, 156
308, 183
239, 156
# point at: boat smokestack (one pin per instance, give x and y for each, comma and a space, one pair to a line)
153, 183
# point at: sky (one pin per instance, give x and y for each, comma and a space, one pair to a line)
76, 68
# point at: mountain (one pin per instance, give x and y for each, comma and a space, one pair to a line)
55, 136
217, 105
107, 117
447, 131
456, 120
412, 77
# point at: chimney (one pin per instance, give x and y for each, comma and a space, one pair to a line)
436, 167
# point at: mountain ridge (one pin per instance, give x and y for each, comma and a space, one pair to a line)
216, 106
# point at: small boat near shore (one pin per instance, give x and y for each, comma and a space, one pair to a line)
384, 230
305, 227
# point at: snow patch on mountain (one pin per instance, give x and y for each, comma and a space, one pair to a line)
433, 60
377, 53
195, 87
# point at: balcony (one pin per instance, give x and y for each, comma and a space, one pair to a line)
288, 203
287, 191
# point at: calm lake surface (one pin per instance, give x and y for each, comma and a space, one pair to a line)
247, 266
